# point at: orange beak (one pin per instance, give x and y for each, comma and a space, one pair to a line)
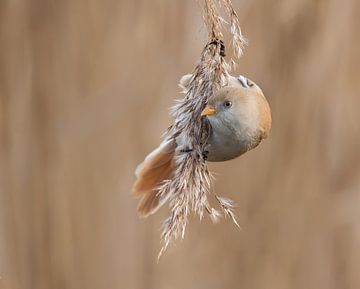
209, 110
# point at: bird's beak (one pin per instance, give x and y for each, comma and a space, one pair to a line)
209, 110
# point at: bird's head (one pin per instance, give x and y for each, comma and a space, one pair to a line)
238, 106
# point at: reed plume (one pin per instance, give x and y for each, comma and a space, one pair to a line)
190, 185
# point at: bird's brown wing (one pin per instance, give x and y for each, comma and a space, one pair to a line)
157, 167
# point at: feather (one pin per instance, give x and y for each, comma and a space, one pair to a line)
157, 167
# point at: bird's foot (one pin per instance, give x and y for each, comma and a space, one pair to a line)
222, 46
186, 150
205, 155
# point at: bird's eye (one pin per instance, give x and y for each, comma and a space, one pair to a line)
227, 104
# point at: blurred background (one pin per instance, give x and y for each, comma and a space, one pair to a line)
85, 89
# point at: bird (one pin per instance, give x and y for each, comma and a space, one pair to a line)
240, 118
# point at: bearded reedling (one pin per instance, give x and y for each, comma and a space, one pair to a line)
239, 117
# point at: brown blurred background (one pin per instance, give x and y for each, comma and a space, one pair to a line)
85, 88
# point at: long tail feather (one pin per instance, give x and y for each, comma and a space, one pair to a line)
157, 167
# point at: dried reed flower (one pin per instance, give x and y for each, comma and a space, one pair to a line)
228, 206
191, 183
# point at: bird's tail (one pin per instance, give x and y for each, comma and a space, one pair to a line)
157, 167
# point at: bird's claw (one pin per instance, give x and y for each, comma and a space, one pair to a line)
222, 46
186, 150
205, 155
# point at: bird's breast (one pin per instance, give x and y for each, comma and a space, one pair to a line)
223, 145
